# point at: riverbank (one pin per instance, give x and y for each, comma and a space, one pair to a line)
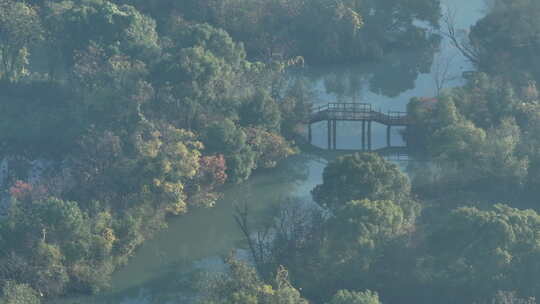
199, 239
156, 271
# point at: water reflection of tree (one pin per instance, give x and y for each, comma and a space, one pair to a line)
345, 84
398, 72
393, 75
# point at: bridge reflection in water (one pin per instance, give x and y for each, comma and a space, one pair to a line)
396, 154
364, 113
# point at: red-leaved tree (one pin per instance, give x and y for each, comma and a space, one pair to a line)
25, 191
212, 170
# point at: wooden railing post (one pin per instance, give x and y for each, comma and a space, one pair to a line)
329, 126
334, 122
363, 135
369, 135
388, 135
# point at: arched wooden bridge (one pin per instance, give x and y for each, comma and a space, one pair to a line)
333, 112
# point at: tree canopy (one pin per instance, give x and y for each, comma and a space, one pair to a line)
360, 176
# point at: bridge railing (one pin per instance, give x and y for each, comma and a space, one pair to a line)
318, 109
343, 107
396, 115
360, 111
391, 117
350, 107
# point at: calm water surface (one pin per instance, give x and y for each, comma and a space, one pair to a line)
160, 270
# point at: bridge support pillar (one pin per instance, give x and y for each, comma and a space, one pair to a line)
329, 126
309, 133
363, 135
334, 132
369, 135
388, 136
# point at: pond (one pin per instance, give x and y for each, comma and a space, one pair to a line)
160, 270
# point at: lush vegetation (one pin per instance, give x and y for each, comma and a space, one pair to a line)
483, 134
319, 30
465, 228
394, 244
130, 123
115, 115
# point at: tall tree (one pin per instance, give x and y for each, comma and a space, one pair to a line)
20, 28
479, 252
118, 29
360, 176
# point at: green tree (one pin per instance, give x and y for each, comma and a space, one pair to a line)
458, 142
261, 111
59, 240
51, 275
360, 176
295, 108
351, 249
118, 29
14, 293
358, 246
242, 285
502, 162
227, 138
479, 129
361, 229
20, 29
198, 76
479, 252
505, 39
169, 158
354, 297
270, 148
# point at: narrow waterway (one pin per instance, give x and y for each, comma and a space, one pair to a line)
160, 270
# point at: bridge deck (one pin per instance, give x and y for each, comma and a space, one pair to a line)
358, 112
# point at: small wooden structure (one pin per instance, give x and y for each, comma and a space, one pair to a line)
333, 112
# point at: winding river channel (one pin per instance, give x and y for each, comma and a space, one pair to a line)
161, 268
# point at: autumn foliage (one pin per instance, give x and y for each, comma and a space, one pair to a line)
22, 190
213, 169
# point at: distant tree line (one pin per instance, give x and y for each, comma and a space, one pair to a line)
342, 31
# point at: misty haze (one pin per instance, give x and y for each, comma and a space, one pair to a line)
269, 151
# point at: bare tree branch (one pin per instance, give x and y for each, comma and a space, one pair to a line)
450, 32
441, 71
257, 246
